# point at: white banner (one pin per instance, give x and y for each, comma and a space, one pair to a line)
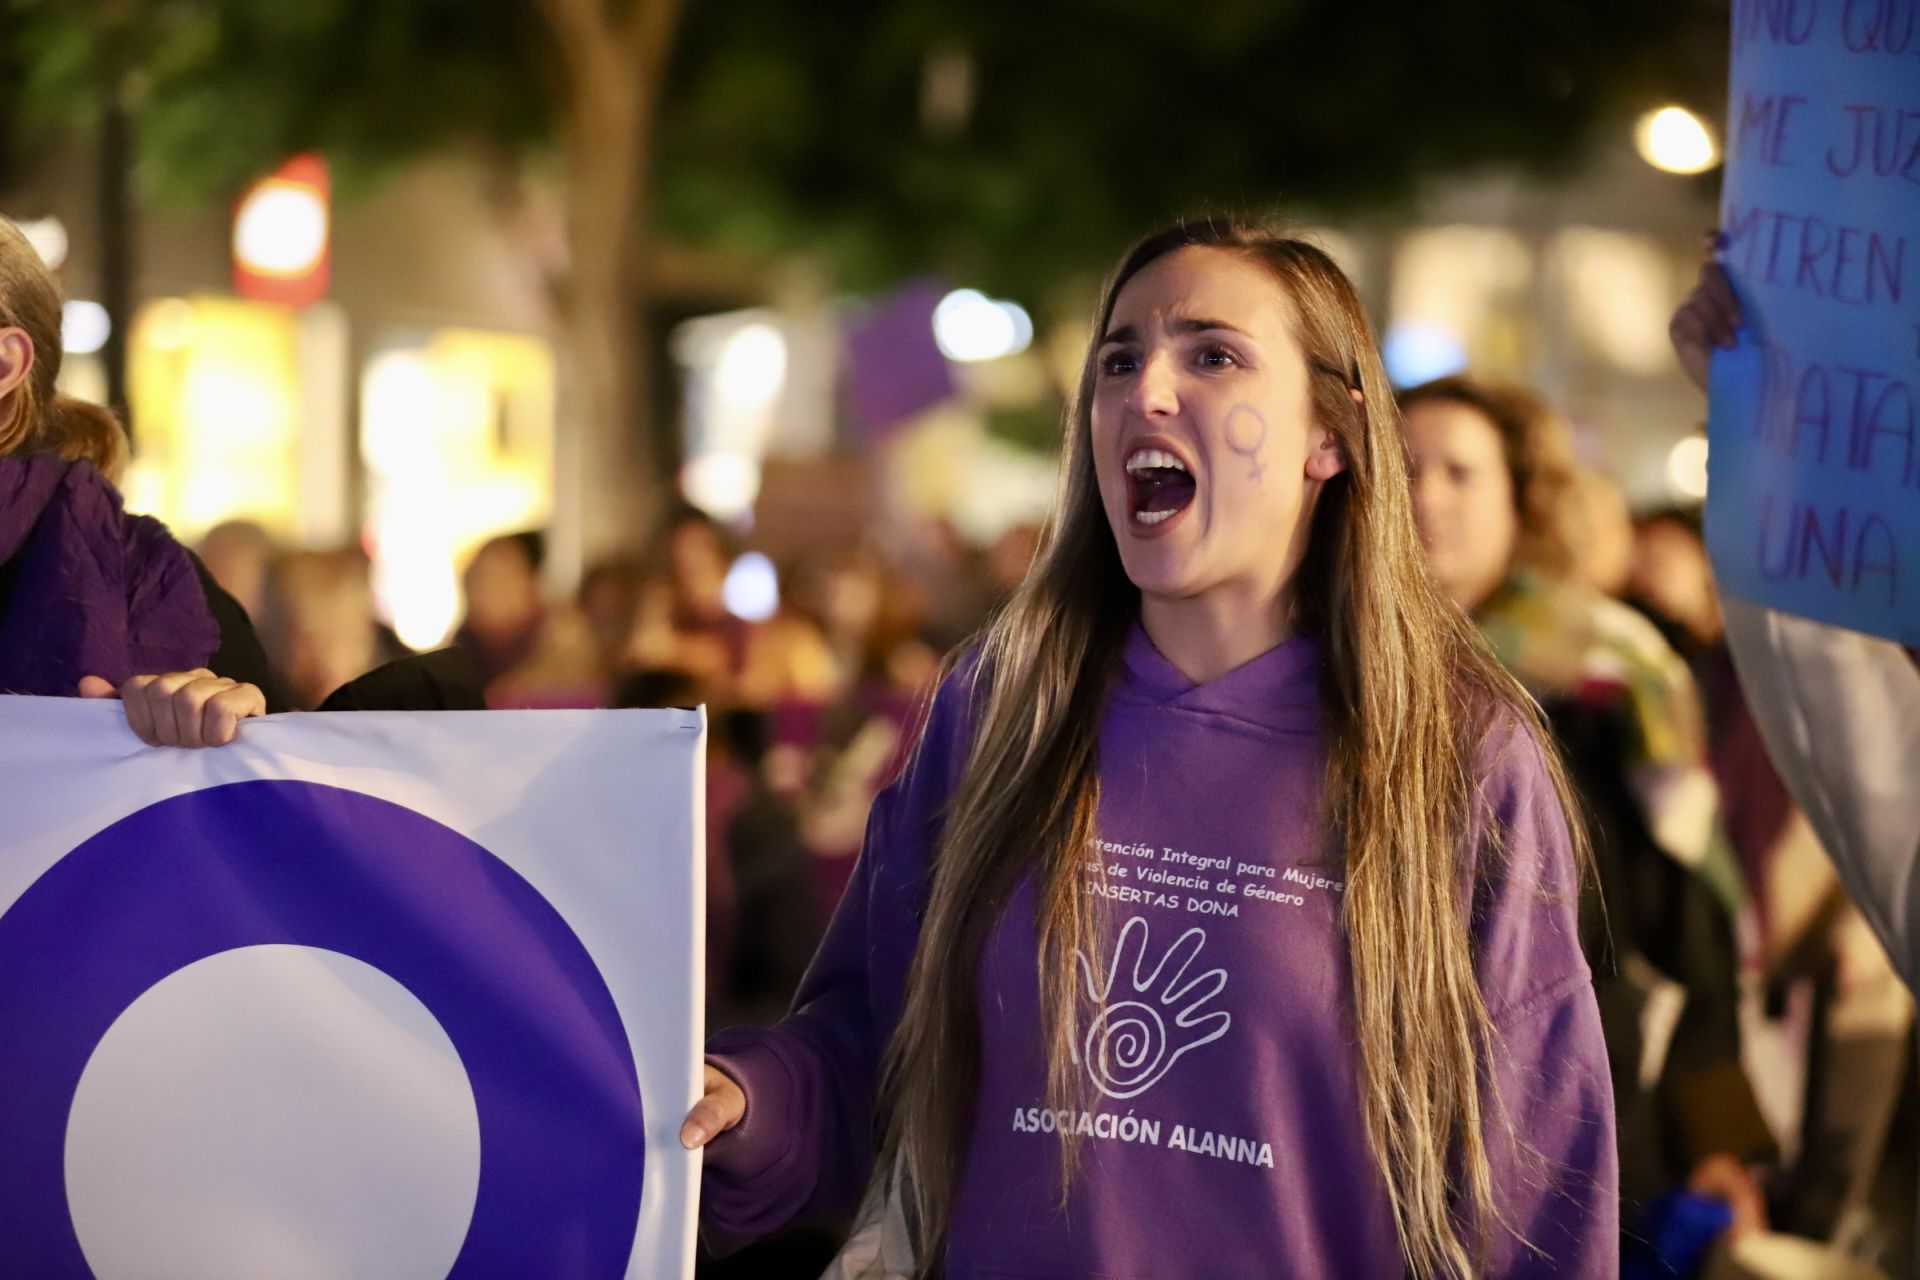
359, 995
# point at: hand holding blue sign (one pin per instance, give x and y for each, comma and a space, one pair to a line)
1815, 410
1838, 709
1709, 318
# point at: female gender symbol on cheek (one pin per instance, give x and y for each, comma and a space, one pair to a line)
1236, 437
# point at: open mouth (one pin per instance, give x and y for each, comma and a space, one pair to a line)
1159, 486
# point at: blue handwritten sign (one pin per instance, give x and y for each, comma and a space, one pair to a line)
1815, 464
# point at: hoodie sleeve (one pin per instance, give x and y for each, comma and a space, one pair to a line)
805, 1148
1548, 1105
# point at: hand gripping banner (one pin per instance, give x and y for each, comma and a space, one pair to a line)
365, 995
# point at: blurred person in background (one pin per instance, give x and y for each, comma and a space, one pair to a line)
1839, 711
872, 622
1838, 1006
95, 601
960, 593
1671, 582
319, 623
1495, 497
506, 603
529, 653
1671, 579
1008, 559
788, 663
1601, 525
240, 554
609, 601
656, 643
565, 667
683, 623
699, 634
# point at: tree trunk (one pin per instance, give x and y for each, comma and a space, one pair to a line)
608, 490
600, 337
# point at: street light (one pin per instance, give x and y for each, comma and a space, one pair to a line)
84, 327
751, 591
970, 326
751, 368
1687, 467
280, 234
1675, 140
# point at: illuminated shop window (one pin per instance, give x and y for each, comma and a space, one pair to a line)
1618, 290
215, 386
456, 437
1459, 298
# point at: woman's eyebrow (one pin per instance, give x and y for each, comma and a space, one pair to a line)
1184, 324
1201, 324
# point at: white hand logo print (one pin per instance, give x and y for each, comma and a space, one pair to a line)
1131, 1044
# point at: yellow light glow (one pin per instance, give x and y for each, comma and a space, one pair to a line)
457, 437
215, 391
169, 324
723, 485
1617, 287
1470, 284
1675, 140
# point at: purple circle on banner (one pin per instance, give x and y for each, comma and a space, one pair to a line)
554, 1085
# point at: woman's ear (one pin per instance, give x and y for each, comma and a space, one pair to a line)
1327, 459
16, 359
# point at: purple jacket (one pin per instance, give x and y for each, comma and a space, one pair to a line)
1227, 1140
85, 588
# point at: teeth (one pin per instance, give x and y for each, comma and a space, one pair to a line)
1153, 517
1148, 459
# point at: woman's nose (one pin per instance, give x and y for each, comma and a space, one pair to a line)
1155, 391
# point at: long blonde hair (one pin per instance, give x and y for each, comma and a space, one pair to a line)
1408, 693
38, 418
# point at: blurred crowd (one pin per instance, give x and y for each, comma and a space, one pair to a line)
1758, 1035
809, 704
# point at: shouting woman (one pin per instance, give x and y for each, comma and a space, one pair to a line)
1224, 921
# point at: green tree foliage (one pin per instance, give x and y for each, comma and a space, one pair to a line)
1093, 119
225, 89
801, 126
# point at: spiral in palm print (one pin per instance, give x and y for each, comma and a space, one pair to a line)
1126, 1049
1131, 1043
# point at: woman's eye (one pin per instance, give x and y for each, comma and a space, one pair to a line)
1118, 363
1218, 358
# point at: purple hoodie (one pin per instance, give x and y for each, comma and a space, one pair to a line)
1227, 1140
85, 588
